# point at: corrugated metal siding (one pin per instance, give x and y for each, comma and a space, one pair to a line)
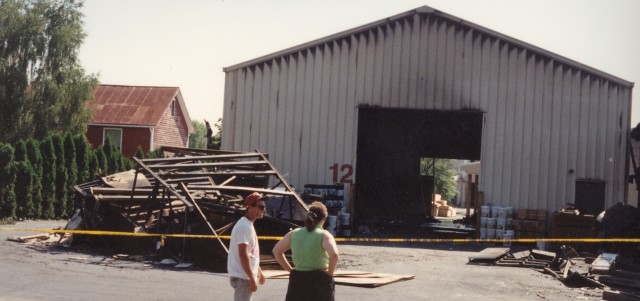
544, 115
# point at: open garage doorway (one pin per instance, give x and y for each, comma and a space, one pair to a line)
390, 187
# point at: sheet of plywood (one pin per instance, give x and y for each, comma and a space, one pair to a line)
353, 278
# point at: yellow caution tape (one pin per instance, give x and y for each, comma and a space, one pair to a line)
340, 239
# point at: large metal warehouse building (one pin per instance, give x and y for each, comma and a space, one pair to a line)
364, 105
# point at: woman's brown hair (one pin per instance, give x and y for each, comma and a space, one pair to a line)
317, 213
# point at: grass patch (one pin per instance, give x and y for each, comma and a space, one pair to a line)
7, 222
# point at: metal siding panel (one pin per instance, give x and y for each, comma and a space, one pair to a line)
370, 66
378, 68
256, 110
583, 130
361, 70
622, 126
264, 105
476, 52
414, 58
423, 64
554, 200
492, 177
351, 120
278, 110
290, 102
575, 88
536, 145
315, 132
404, 65
546, 155
439, 76
334, 112
387, 61
601, 111
458, 71
450, 60
502, 132
307, 112
592, 129
245, 118
342, 106
564, 125
519, 72
299, 114
527, 155
510, 190
432, 58
395, 66
230, 109
323, 127
608, 139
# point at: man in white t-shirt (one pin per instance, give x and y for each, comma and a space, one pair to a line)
243, 261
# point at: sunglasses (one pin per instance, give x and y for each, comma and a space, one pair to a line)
261, 207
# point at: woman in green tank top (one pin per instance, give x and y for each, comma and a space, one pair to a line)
315, 256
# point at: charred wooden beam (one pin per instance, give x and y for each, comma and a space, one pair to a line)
165, 184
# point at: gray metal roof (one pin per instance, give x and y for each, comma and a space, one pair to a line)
426, 10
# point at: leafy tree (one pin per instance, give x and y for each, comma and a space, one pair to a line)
72, 171
24, 190
25, 176
102, 161
140, 153
20, 152
111, 153
7, 182
83, 152
93, 165
444, 173
199, 137
43, 87
49, 164
35, 160
214, 141
62, 178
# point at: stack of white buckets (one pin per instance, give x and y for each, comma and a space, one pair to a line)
338, 224
495, 223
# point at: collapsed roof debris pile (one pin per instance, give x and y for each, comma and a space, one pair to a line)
191, 191
618, 276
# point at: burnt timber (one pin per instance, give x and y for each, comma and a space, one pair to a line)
190, 191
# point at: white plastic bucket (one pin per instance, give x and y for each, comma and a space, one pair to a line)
344, 218
509, 211
346, 232
485, 211
491, 233
491, 223
501, 223
483, 222
483, 233
499, 234
331, 221
502, 212
508, 236
495, 210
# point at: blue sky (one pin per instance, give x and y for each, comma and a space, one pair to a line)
187, 43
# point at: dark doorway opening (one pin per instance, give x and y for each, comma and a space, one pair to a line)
391, 142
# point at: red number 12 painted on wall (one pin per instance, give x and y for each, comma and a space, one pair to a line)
347, 171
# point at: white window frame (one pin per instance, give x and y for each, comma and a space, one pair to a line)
117, 143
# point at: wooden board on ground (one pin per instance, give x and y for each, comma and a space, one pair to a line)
352, 278
490, 254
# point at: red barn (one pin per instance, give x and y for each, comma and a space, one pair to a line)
135, 116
